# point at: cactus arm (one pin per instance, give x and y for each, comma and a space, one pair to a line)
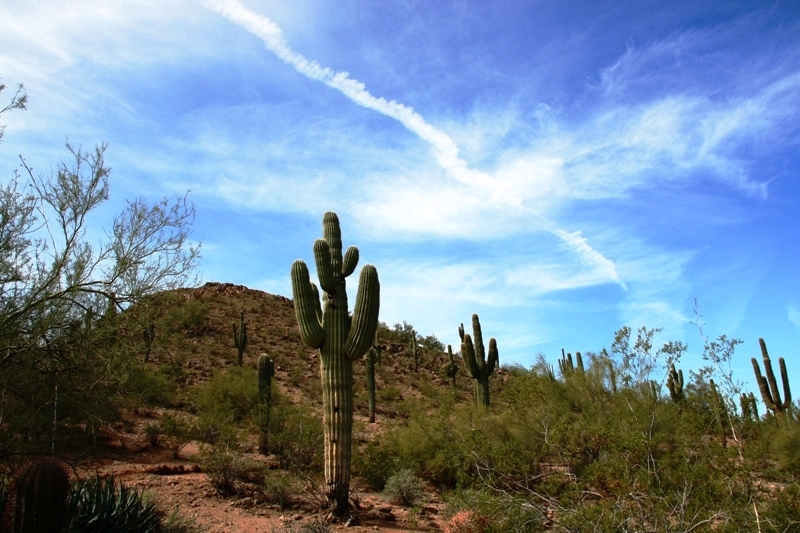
350, 261
468, 353
773, 384
787, 392
493, 357
461, 332
325, 272
333, 236
306, 306
365, 314
763, 387
480, 355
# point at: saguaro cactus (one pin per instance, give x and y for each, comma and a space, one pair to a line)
477, 365
149, 335
373, 356
340, 340
414, 350
451, 369
769, 386
567, 367
675, 383
266, 369
749, 406
240, 338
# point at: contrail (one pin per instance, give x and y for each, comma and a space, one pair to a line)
444, 148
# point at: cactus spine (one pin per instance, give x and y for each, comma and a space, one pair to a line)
675, 383
451, 369
477, 365
266, 369
340, 340
240, 338
769, 386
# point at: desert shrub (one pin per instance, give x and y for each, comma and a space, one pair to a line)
480, 511
144, 386
179, 523
173, 432
295, 436
375, 463
100, 505
230, 395
279, 488
227, 469
188, 319
404, 488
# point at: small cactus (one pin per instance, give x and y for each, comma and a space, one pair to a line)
719, 412
478, 367
41, 496
240, 338
675, 383
266, 369
769, 386
451, 369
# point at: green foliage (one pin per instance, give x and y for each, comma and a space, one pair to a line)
101, 505
266, 370
231, 395
179, 523
375, 463
295, 436
404, 488
228, 469
279, 488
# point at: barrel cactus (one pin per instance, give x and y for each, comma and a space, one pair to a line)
340, 339
478, 367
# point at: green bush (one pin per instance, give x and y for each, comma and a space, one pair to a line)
375, 463
295, 436
227, 469
231, 395
404, 488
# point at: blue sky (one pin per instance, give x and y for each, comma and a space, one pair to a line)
561, 168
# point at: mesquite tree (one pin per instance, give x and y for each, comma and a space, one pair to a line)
340, 339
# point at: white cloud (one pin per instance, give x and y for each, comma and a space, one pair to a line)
793, 314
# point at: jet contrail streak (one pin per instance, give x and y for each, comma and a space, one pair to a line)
444, 148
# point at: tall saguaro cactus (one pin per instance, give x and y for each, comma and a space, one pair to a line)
373, 356
769, 386
675, 383
240, 338
478, 366
340, 339
266, 369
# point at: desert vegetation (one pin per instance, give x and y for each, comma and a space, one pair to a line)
94, 341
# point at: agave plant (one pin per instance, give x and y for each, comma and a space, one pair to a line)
101, 505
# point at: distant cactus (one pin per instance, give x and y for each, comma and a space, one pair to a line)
41, 497
341, 339
414, 350
769, 386
749, 406
373, 356
720, 410
477, 365
266, 369
149, 335
675, 383
567, 367
451, 369
240, 338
